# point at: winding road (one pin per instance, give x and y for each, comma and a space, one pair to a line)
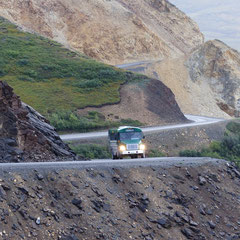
196, 121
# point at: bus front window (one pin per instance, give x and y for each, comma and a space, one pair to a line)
130, 136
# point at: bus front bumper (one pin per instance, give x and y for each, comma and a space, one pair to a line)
132, 152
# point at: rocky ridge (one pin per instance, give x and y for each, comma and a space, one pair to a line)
25, 135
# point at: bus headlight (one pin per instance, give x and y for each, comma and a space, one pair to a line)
122, 148
142, 147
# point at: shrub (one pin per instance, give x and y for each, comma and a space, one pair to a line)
92, 151
189, 153
23, 62
155, 153
234, 127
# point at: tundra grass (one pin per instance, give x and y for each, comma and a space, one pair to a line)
51, 78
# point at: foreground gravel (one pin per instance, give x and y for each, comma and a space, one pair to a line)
145, 199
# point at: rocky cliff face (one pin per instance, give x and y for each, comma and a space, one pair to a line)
24, 134
218, 66
113, 31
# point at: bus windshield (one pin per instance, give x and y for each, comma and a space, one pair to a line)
130, 136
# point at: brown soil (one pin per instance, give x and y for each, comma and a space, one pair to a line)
150, 102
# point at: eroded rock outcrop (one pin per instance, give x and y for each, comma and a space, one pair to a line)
218, 66
24, 134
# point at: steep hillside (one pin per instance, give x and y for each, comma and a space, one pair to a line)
113, 31
144, 203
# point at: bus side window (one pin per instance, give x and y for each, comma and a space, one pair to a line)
113, 136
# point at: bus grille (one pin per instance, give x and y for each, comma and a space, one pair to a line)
132, 146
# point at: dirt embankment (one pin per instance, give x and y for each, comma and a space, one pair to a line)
122, 203
148, 101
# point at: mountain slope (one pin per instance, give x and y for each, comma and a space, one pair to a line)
53, 79
113, 31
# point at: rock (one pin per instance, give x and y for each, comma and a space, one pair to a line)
70, 237
97, 205
202, 210
192, 223
164, 222
38, 221
202, 180
77, 202
187, 232
211, 224
40, 176
236, 172
143, 203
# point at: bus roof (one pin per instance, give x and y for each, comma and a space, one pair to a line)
125, 128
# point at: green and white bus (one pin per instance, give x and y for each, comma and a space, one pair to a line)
126, 141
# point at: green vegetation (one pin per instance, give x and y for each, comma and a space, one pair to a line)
70, 121
228, 148
91, 151
155, 153
51, 78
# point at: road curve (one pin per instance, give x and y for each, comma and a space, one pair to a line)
107, 163
134, 64
196, 121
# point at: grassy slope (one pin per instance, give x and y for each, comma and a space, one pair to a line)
51, 78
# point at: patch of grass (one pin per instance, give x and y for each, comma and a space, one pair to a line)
92, 151
68, 121
51, 78
228, 148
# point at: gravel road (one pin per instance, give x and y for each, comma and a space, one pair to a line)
196, 121
99, 164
